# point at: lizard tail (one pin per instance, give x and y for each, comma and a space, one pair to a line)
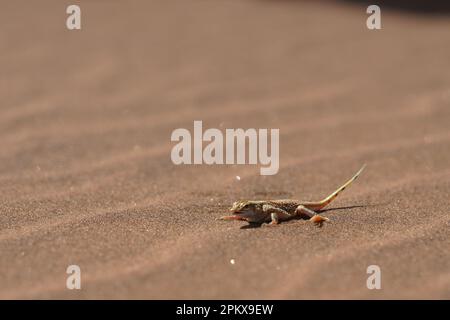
322, 204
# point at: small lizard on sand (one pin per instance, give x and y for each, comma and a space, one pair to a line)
274, 211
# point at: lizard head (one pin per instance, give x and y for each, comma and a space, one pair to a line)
246, 209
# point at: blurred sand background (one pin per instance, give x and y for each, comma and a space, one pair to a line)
85, 170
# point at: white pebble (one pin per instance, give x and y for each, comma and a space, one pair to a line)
237, 177
232, 261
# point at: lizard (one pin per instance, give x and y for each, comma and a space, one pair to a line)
275, 211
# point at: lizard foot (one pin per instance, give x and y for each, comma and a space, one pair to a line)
318, 220
271, 224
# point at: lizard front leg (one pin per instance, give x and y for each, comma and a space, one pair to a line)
313, 216
276, 214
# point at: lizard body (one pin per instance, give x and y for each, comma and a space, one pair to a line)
274, 211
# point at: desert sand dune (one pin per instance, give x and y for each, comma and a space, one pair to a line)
85, 170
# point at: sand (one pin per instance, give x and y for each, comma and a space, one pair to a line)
85, 170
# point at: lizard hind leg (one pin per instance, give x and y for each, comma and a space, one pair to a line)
313, 216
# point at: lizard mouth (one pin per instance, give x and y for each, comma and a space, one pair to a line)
241, 212
237, 211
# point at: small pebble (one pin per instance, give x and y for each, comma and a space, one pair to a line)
237, 177
232, 261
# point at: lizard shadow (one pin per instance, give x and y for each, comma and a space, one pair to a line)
346, 207
253, 225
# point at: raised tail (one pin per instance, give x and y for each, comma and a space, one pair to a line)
322, 204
